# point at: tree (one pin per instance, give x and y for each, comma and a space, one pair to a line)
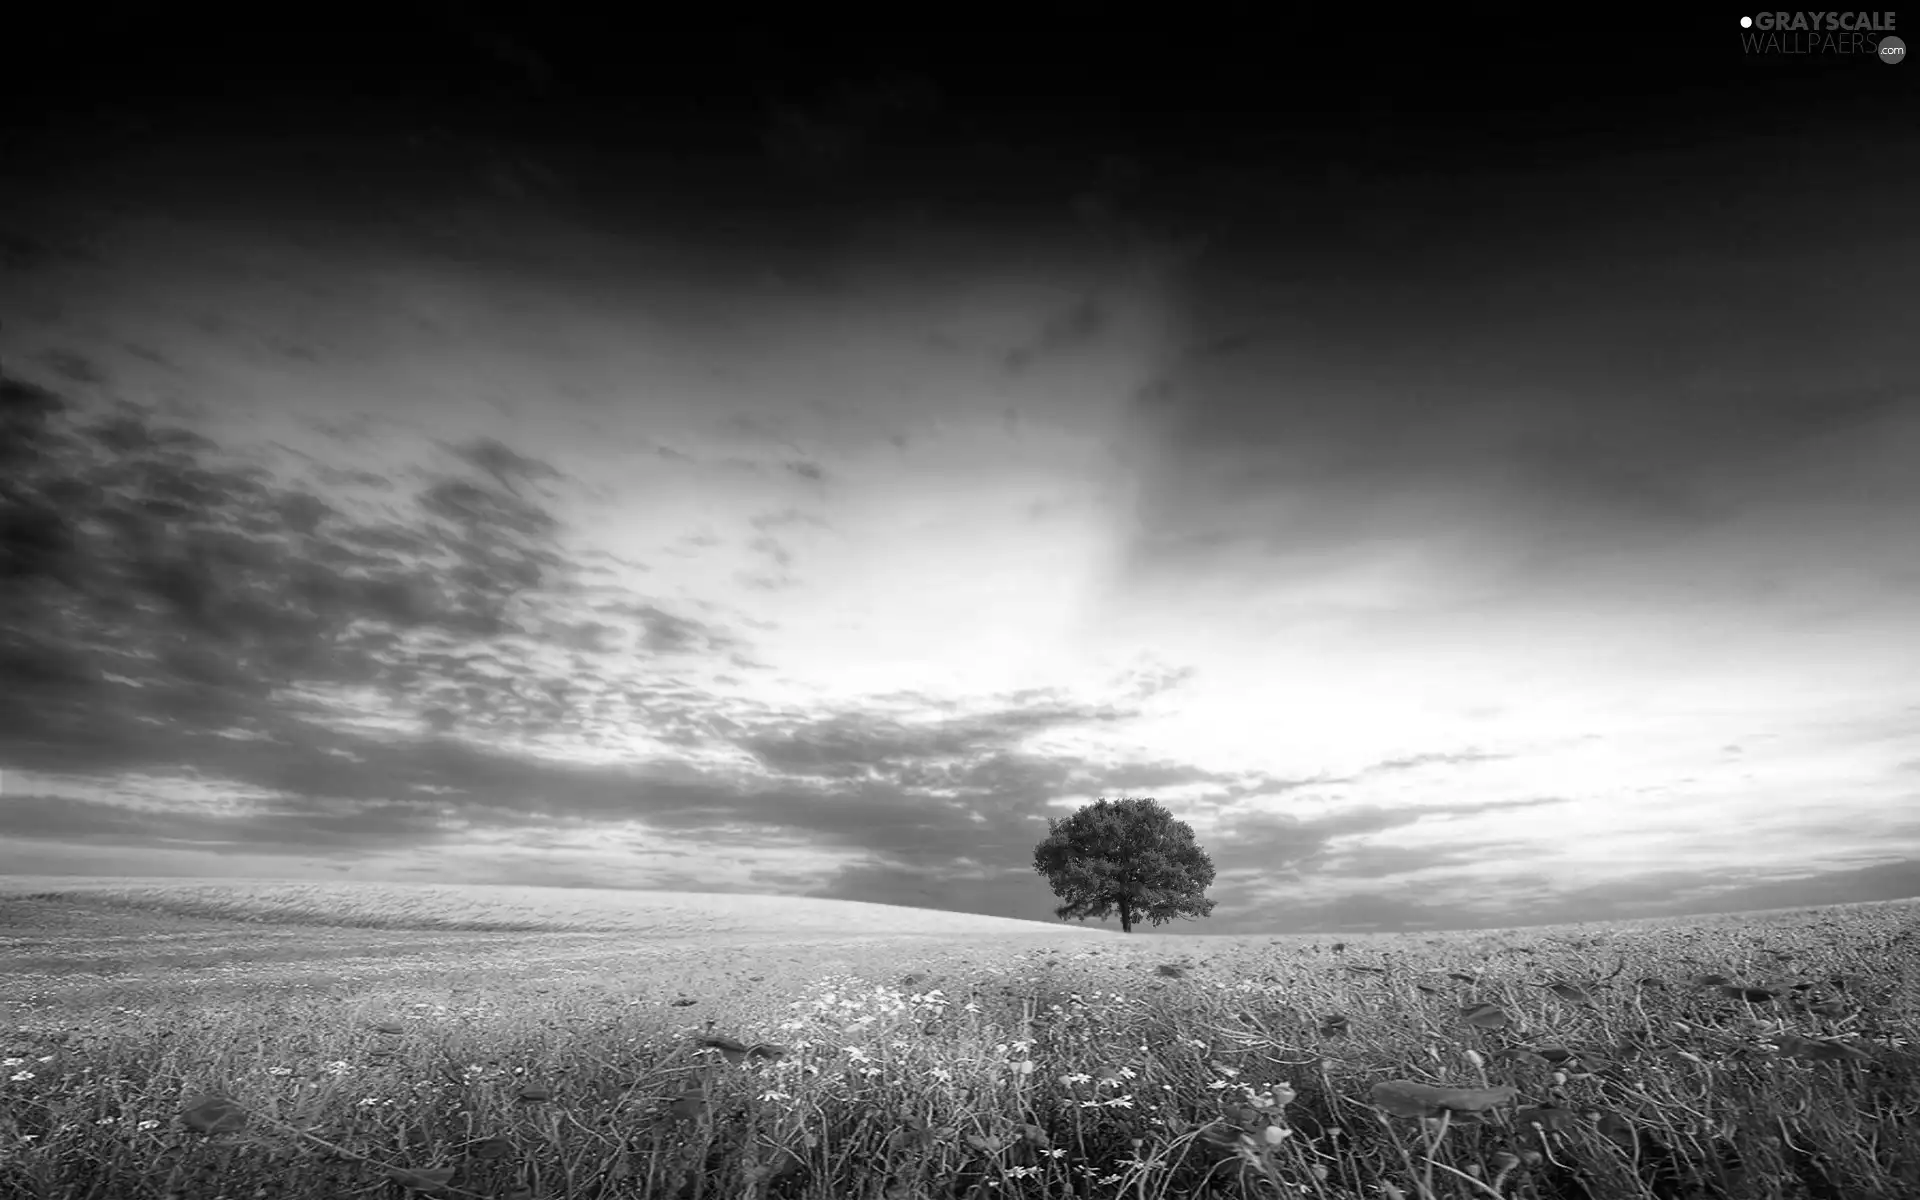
1126, 854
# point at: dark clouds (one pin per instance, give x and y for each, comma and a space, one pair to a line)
1665, 367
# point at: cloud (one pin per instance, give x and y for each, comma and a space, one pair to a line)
1426, 587
1078, 325
1635, 897
1416, 761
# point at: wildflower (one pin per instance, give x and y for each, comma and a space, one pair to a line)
21, 1076
148, 1125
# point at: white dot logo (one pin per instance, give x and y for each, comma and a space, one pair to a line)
1746, 22
1892, 50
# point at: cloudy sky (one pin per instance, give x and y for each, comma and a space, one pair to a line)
1453, 529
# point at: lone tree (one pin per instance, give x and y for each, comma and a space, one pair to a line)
1129, 854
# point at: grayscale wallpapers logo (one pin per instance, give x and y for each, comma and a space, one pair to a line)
1791, 34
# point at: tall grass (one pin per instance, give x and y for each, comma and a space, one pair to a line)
1762, 1061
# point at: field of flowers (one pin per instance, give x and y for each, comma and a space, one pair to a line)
230, 1042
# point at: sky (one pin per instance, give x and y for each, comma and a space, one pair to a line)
1465, 497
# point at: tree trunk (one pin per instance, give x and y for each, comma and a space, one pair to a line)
1126, 916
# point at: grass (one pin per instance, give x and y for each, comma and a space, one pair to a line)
286, 1041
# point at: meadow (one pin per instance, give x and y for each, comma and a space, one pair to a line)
253, 1040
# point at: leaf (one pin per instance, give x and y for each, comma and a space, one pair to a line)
1617, 1129
734, 1050
1406, 1098
1550, 1117
1463, 977
426, 1179
1820, 1049
214, 1114
533, 1093
901, 1140
1485, 1016
1572, 993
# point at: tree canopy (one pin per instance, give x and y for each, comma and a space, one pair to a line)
1129, 855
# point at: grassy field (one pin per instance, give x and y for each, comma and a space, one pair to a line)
291, 1040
